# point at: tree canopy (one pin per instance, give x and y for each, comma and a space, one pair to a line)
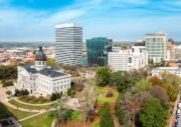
103, 76
153, 114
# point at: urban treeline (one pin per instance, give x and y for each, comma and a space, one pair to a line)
143, 100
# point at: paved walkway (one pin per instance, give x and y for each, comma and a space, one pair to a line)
44, 104
2, 94
23, 109
37, 114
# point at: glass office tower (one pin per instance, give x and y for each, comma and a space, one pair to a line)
97, 51
156, 45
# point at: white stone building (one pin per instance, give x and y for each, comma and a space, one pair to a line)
42, 79
135, 57
160, 70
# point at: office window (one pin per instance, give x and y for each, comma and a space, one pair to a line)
130, 59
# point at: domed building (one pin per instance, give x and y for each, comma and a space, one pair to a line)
42, 79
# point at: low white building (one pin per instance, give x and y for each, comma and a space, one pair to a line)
42, 79
160, 70
135, 57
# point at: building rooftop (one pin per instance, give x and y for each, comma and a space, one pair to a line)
46, 71
167, 68
67, 25
51, 73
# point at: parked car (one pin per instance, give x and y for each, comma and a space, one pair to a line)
179, 105
178, 112
176, 124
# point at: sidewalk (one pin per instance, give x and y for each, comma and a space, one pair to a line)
23, 109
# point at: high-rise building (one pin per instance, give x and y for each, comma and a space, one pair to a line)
68, 46
132, 58
97, 51
156, 45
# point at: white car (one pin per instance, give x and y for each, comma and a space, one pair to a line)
179, 105
178, 112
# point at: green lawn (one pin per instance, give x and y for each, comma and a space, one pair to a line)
43, 120
33, 100
96, 124
101, 95
6, 111
14, 102
77, 115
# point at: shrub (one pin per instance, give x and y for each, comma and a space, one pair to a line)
109, 94
71, 92
55, 96
8, 92
79, 86
6, 83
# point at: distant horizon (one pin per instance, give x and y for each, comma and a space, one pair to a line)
118, 19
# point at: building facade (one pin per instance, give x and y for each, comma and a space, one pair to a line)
161, 70
97, 51
42, 79
156, 45
133, 58
68, 46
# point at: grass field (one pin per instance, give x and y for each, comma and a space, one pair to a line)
14, 102
101, 94
6, 111
43, 120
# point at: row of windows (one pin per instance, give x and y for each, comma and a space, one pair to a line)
61, 87
60, 82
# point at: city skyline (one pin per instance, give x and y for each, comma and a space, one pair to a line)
35, 20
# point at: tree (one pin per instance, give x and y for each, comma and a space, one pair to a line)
55, 96
87, 101
103, 76
153, 114
51, 62
71, 92
172, 91
6, 83
61, 113
155, 81
143, 84
8, 72
121, 80
106, 119
8, 92
128, 105
172, 79
160, 93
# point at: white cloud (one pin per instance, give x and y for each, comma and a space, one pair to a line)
26, 23
95, 15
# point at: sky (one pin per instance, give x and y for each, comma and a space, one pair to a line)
128, 20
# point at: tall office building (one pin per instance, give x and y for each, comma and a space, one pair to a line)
97, 50
156, 45
132, 58
68, 46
